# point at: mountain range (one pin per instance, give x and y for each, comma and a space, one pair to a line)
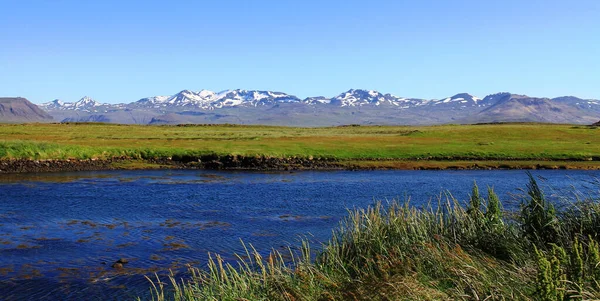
355, 106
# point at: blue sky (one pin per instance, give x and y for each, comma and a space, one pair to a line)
121, 51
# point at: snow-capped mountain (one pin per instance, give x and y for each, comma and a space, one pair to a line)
84, 104
185, 98
358, 106
589, 104
359, 97
253, 98
155, 101
56, 104
209, 100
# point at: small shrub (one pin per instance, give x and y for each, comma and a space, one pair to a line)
576, 263
549, 282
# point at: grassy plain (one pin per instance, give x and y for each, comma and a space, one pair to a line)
359, 145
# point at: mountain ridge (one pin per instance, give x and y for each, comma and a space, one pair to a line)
359, 106
206, 99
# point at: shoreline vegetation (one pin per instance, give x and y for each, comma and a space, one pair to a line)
471, 250
97, 146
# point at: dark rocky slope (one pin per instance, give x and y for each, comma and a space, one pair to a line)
18, 109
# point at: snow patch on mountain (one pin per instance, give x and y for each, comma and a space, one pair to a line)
464, 99
316, 100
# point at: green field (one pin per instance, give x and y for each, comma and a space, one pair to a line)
359, 144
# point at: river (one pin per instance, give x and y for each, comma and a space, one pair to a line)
61, 232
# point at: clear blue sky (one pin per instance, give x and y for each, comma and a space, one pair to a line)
121, 51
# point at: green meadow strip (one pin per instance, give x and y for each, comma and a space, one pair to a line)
544, 142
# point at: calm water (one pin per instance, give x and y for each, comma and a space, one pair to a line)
60, 233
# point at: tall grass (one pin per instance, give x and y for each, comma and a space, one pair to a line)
377, 253
446, 251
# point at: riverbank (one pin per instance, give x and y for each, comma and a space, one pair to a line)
210, 162
261, 163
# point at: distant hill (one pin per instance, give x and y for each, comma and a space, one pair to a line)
506, 107
355, 106
18, 109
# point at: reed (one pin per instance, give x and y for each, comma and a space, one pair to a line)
446, 251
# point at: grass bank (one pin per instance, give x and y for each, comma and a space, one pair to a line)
447, 251
353, 146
